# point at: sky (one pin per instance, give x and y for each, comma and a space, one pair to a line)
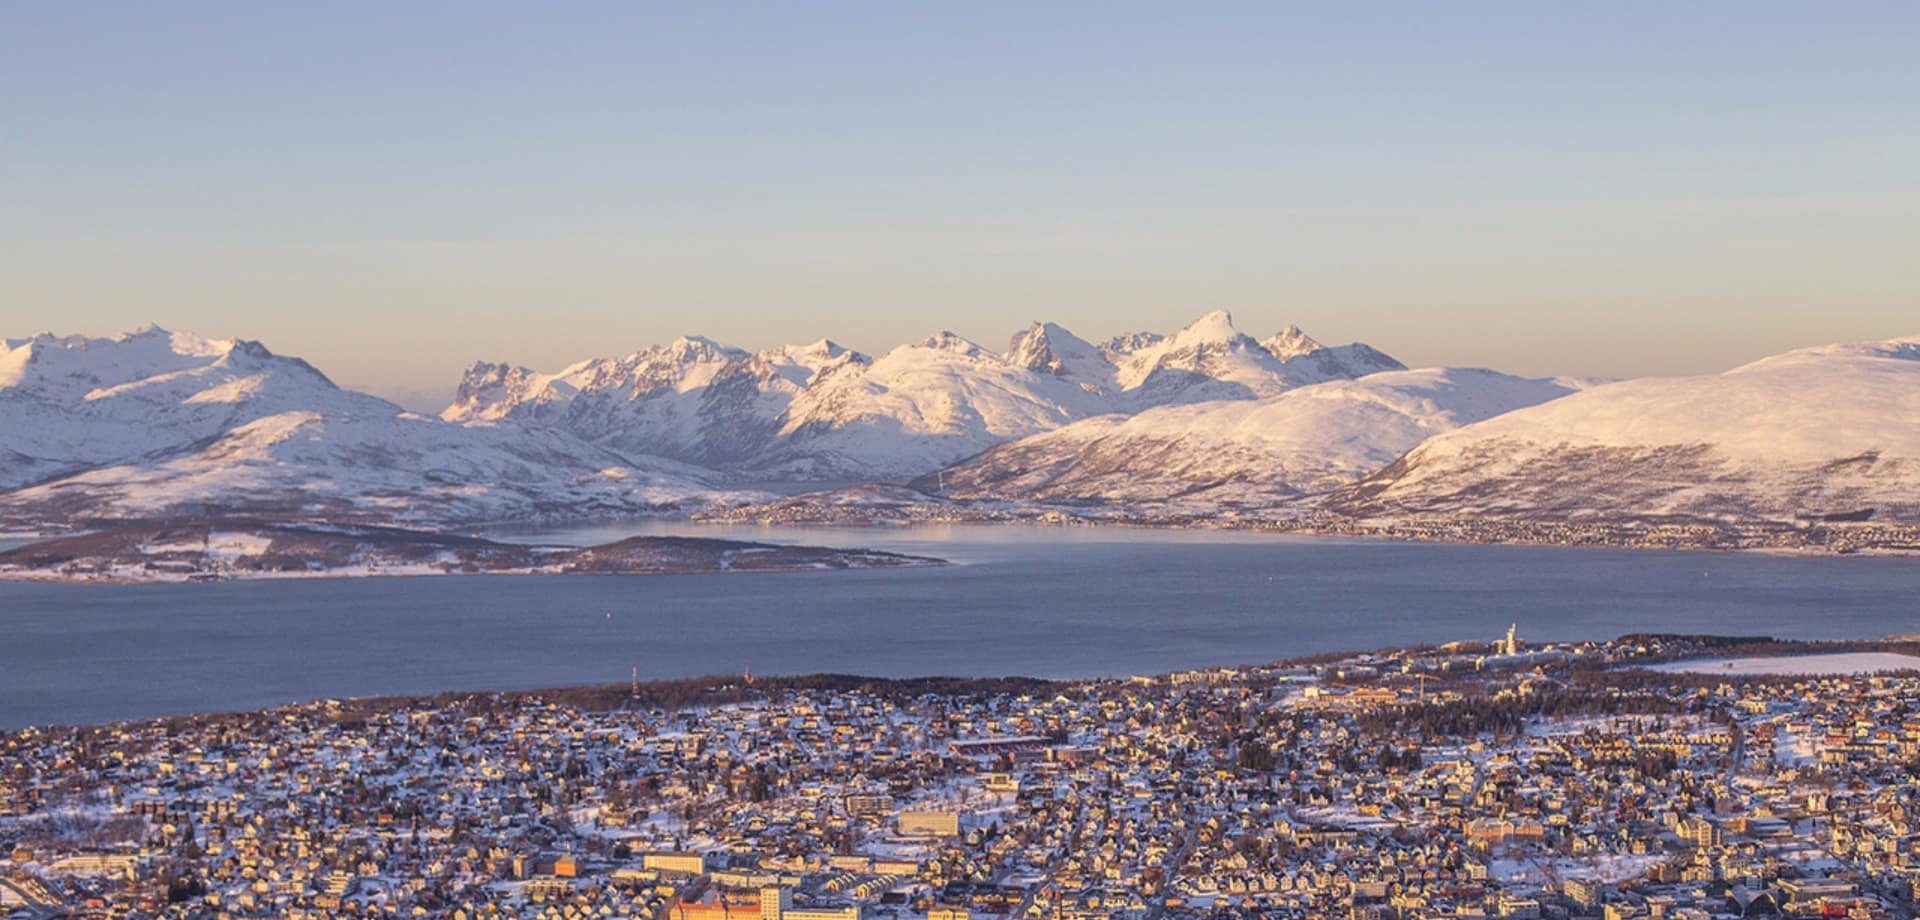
395, 190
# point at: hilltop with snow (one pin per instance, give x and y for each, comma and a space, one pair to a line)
72, 403
1831, 432
1241, 453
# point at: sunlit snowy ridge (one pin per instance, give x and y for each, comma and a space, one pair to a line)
1207, 425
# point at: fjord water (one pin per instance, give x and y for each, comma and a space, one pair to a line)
1051, 602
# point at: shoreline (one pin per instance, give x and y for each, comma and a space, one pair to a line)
1772, 538
1748, 538
188, 552
906, 561
116, 581
1703, 650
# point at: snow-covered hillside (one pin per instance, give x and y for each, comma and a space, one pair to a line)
398, 467
1241, 453
154, 424
73, 403
821, 412
1827, 431
692, 399
1210, 360
157, 423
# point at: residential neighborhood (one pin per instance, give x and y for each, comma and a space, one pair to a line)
1475, 779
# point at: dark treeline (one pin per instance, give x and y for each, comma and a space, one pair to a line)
720, 690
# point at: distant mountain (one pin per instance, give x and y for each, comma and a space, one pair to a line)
393, 468
914, 409
1200, 425
1212, 360
824, 413
1828, 432
1241, 453
154, 423
73, 403
693, 399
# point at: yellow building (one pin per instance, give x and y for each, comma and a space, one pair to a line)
931, 823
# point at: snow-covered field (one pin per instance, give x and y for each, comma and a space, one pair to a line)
1840, 663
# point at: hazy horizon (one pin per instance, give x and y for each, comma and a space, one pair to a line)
395, 192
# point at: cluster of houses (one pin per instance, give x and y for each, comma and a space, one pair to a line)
1820, 536
1460, 781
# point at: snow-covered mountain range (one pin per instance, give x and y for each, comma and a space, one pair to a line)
154, 423
822, 412
1241, 453
1207, 421
1831, 432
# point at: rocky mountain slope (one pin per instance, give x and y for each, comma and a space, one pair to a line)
1831, 433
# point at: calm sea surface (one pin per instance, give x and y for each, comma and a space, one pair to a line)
1052, 602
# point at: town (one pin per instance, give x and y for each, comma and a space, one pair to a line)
1487, 778
895, 506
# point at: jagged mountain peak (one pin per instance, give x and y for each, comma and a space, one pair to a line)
1039, 331
1209, 358
1213, 328
823, 411
1126, 344
1049, 348
1291, 342
1038, 346
701, 348
947, 340
824, 348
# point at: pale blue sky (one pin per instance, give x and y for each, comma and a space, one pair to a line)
395, 189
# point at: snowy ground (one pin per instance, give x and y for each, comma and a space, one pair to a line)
1610, 868
1842, 663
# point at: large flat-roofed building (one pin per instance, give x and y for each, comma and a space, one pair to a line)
930, 823
869, 804
675, 861
721, 909
776, 903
